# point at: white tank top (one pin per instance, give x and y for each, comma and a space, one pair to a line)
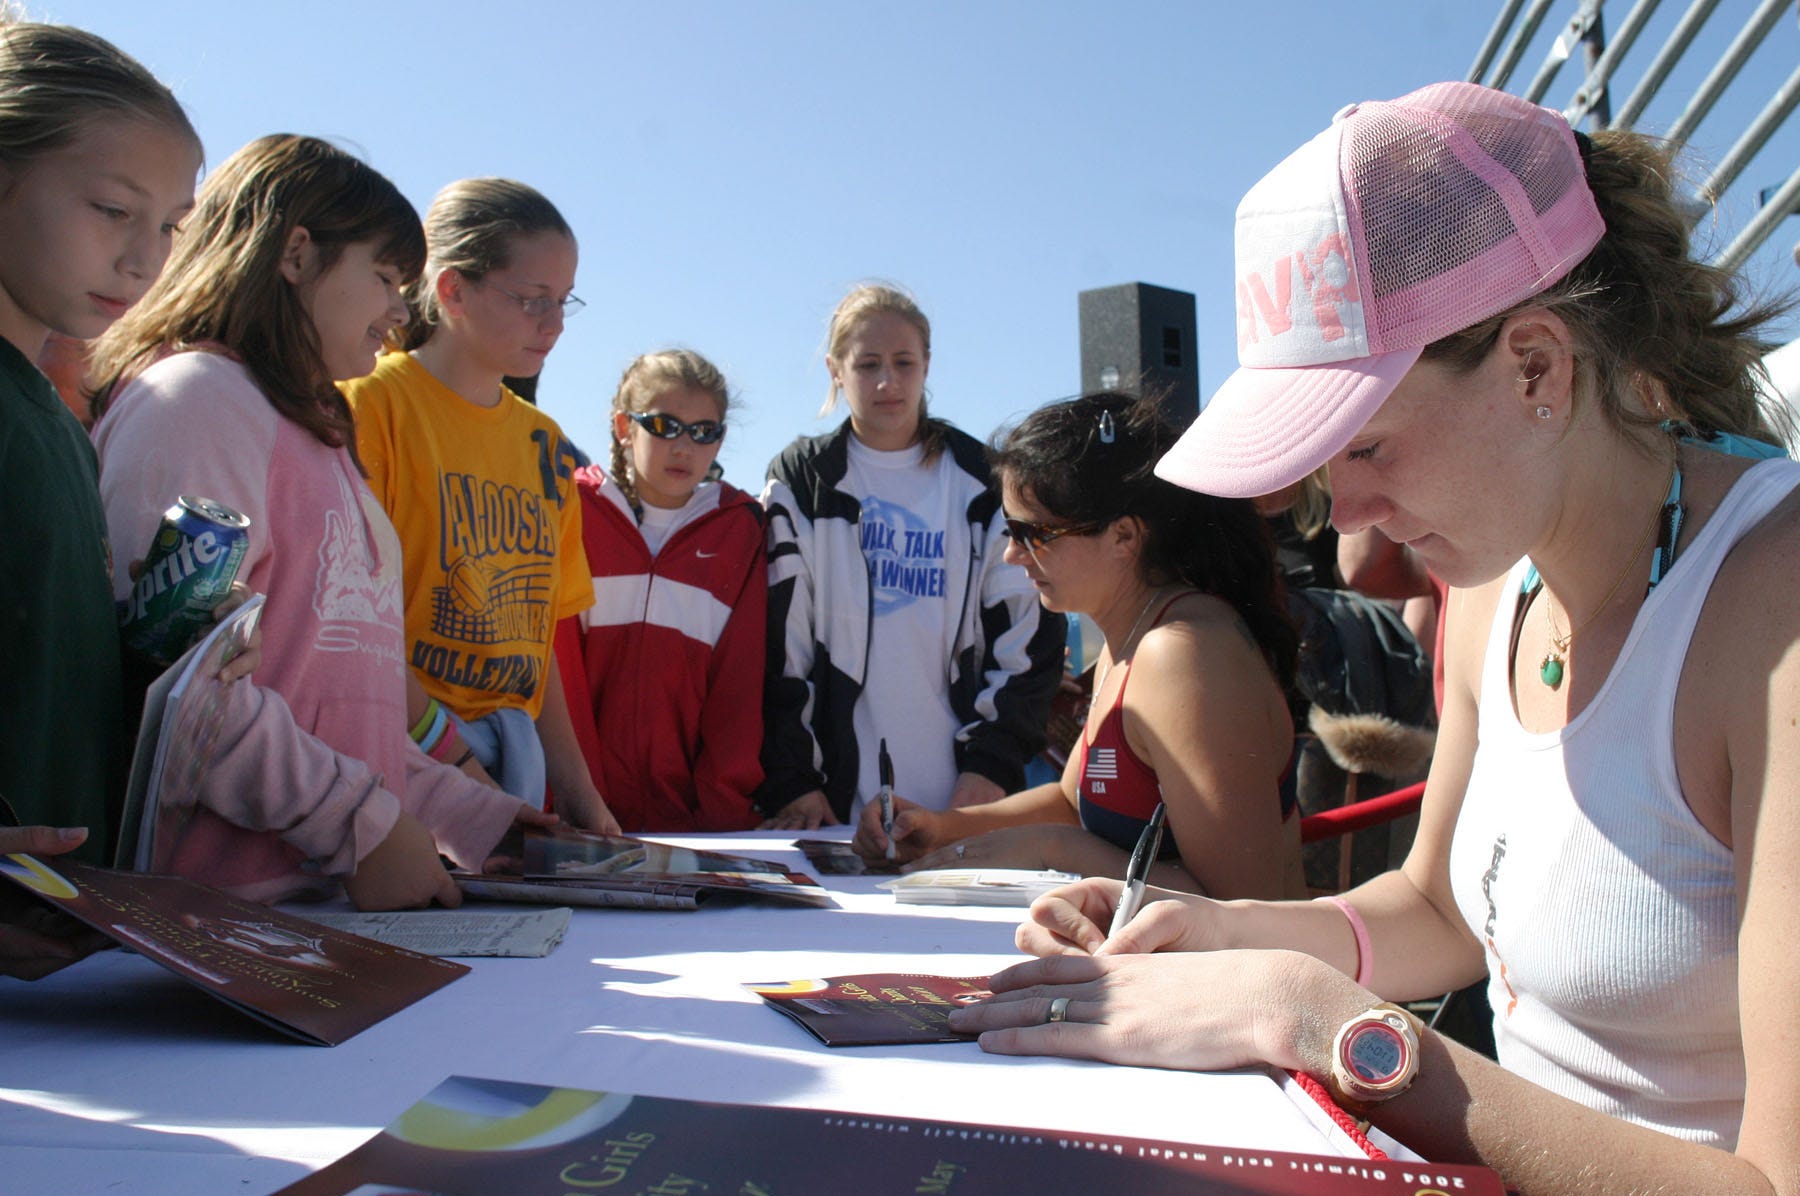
1607, 911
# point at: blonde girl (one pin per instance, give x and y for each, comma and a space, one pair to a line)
892, 613
665, 674
97, 166
481, 485
219, 383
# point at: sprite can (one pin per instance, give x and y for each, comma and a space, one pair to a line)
192, 562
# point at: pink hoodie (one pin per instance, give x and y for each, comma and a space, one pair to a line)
314, 762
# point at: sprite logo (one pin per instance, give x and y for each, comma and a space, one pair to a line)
167, 572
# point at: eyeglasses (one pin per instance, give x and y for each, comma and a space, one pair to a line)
539, 306
667, 427
1033, 536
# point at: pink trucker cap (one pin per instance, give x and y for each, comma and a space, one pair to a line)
1403, 222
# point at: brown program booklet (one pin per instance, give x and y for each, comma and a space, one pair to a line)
878, 1009
320, 985
487, 1136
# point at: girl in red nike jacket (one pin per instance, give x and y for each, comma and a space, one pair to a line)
664, 674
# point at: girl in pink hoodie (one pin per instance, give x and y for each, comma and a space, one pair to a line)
219, 383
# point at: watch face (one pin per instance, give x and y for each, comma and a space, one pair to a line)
1375, 1054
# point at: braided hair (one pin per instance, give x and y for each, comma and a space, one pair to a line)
644, 379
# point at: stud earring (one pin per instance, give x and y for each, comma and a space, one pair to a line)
1543, 412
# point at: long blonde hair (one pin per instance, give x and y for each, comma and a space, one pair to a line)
55, 78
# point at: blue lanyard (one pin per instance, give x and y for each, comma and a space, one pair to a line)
1668, 534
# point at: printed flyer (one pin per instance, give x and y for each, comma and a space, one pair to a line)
879, 1009
474, 1137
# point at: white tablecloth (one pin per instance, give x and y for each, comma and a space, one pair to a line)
115, 1077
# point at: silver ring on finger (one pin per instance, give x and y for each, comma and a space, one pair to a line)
1059, 1010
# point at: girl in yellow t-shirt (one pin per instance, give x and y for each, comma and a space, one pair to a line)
480, 485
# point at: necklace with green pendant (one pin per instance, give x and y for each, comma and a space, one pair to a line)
1666, 528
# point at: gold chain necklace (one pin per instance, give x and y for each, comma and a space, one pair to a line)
1550, 672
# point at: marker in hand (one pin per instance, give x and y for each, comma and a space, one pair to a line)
1137, 873
885, 795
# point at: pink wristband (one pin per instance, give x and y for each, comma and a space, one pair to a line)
445, 745
1365, 957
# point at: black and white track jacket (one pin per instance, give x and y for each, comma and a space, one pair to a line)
1008, 650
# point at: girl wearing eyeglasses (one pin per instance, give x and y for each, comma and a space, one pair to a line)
480, 485
891, 611
664, 674
1189, 706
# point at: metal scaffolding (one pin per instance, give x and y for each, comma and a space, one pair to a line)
1591, 99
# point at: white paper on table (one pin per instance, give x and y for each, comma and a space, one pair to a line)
523, 934
976, 886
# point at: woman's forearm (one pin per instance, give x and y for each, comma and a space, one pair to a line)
1414, 952
1465, 1108
1028, 807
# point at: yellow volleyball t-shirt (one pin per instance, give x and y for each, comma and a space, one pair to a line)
490, 532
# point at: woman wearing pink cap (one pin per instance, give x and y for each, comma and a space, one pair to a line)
1489, 330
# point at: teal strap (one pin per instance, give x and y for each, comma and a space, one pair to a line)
1667, 535
1729, 443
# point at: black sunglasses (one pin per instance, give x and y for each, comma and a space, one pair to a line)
667, 427
1033, 536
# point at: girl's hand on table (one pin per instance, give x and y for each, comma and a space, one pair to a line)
808, 812
403, 872
587, 809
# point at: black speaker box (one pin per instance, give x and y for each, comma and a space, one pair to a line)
1139, 339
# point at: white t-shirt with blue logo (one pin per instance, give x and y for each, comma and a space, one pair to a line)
917, 591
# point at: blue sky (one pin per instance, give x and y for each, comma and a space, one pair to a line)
732, 168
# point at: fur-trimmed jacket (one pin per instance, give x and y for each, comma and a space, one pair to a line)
1007, 655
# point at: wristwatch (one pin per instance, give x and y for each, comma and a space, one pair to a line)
1374, 1057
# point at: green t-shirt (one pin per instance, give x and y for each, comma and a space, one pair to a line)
61, 705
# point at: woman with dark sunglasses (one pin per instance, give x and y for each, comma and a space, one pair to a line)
892, 615
1189, 707
664, 674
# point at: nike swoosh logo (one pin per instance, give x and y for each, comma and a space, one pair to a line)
704, 555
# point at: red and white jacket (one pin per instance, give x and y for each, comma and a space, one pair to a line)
664, 674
